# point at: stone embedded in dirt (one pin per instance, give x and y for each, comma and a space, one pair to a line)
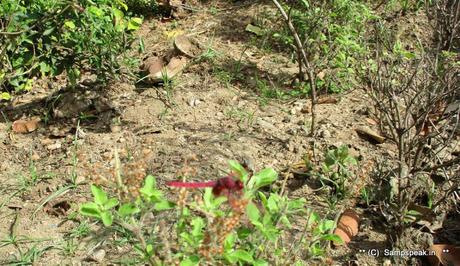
97, 256
187, 46
295, 110
287, 119
266, 125
325, 134
71, 104
35, 156
59, 132
305, 109
269, 110
444, 255
370, 134
115, 128
194, 102
347, 227
54, 146
25, 126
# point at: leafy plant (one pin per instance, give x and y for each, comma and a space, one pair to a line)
213, 228
101, 207
406, 5
335, 170
50, 37
326, 37
332, 33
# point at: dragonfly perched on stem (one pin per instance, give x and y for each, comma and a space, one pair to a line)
222, 186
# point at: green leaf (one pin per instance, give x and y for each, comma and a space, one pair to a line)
134, 23
211, 202
149, 191
149, 249
107, 218
48, 31
190, 261
273, 203
239, 170
100, 197
229, 242
295, 205
332, 237
28, 85
263, 178
253, 212
69, 24
44, 68
263, 198
119, 22
95, 11
128, 209
141, 45
122, 4
254, 29
326, 225
314, 218
197, 226
5, 96
260, 262
242, 255
110, 203
164, 205
286, 221
90, 209
244, 232
187, 238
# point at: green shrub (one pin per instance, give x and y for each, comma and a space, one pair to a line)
144, 7
332, 33
247, 227
48, 37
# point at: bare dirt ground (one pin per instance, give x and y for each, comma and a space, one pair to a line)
210, 112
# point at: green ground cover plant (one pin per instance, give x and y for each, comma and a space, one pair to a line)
46, 38
243, 227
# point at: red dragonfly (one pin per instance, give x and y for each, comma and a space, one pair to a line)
222, 186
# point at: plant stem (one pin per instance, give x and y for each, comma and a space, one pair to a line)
309, 68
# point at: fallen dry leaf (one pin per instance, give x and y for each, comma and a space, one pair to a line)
187, 46
46, 142
59, 208
176, 64
156, 69
347, 227
370, 134
371, 121
25, 126
321, 75
325, 100
35, 156
444, 255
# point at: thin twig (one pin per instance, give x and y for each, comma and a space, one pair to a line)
309, 68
